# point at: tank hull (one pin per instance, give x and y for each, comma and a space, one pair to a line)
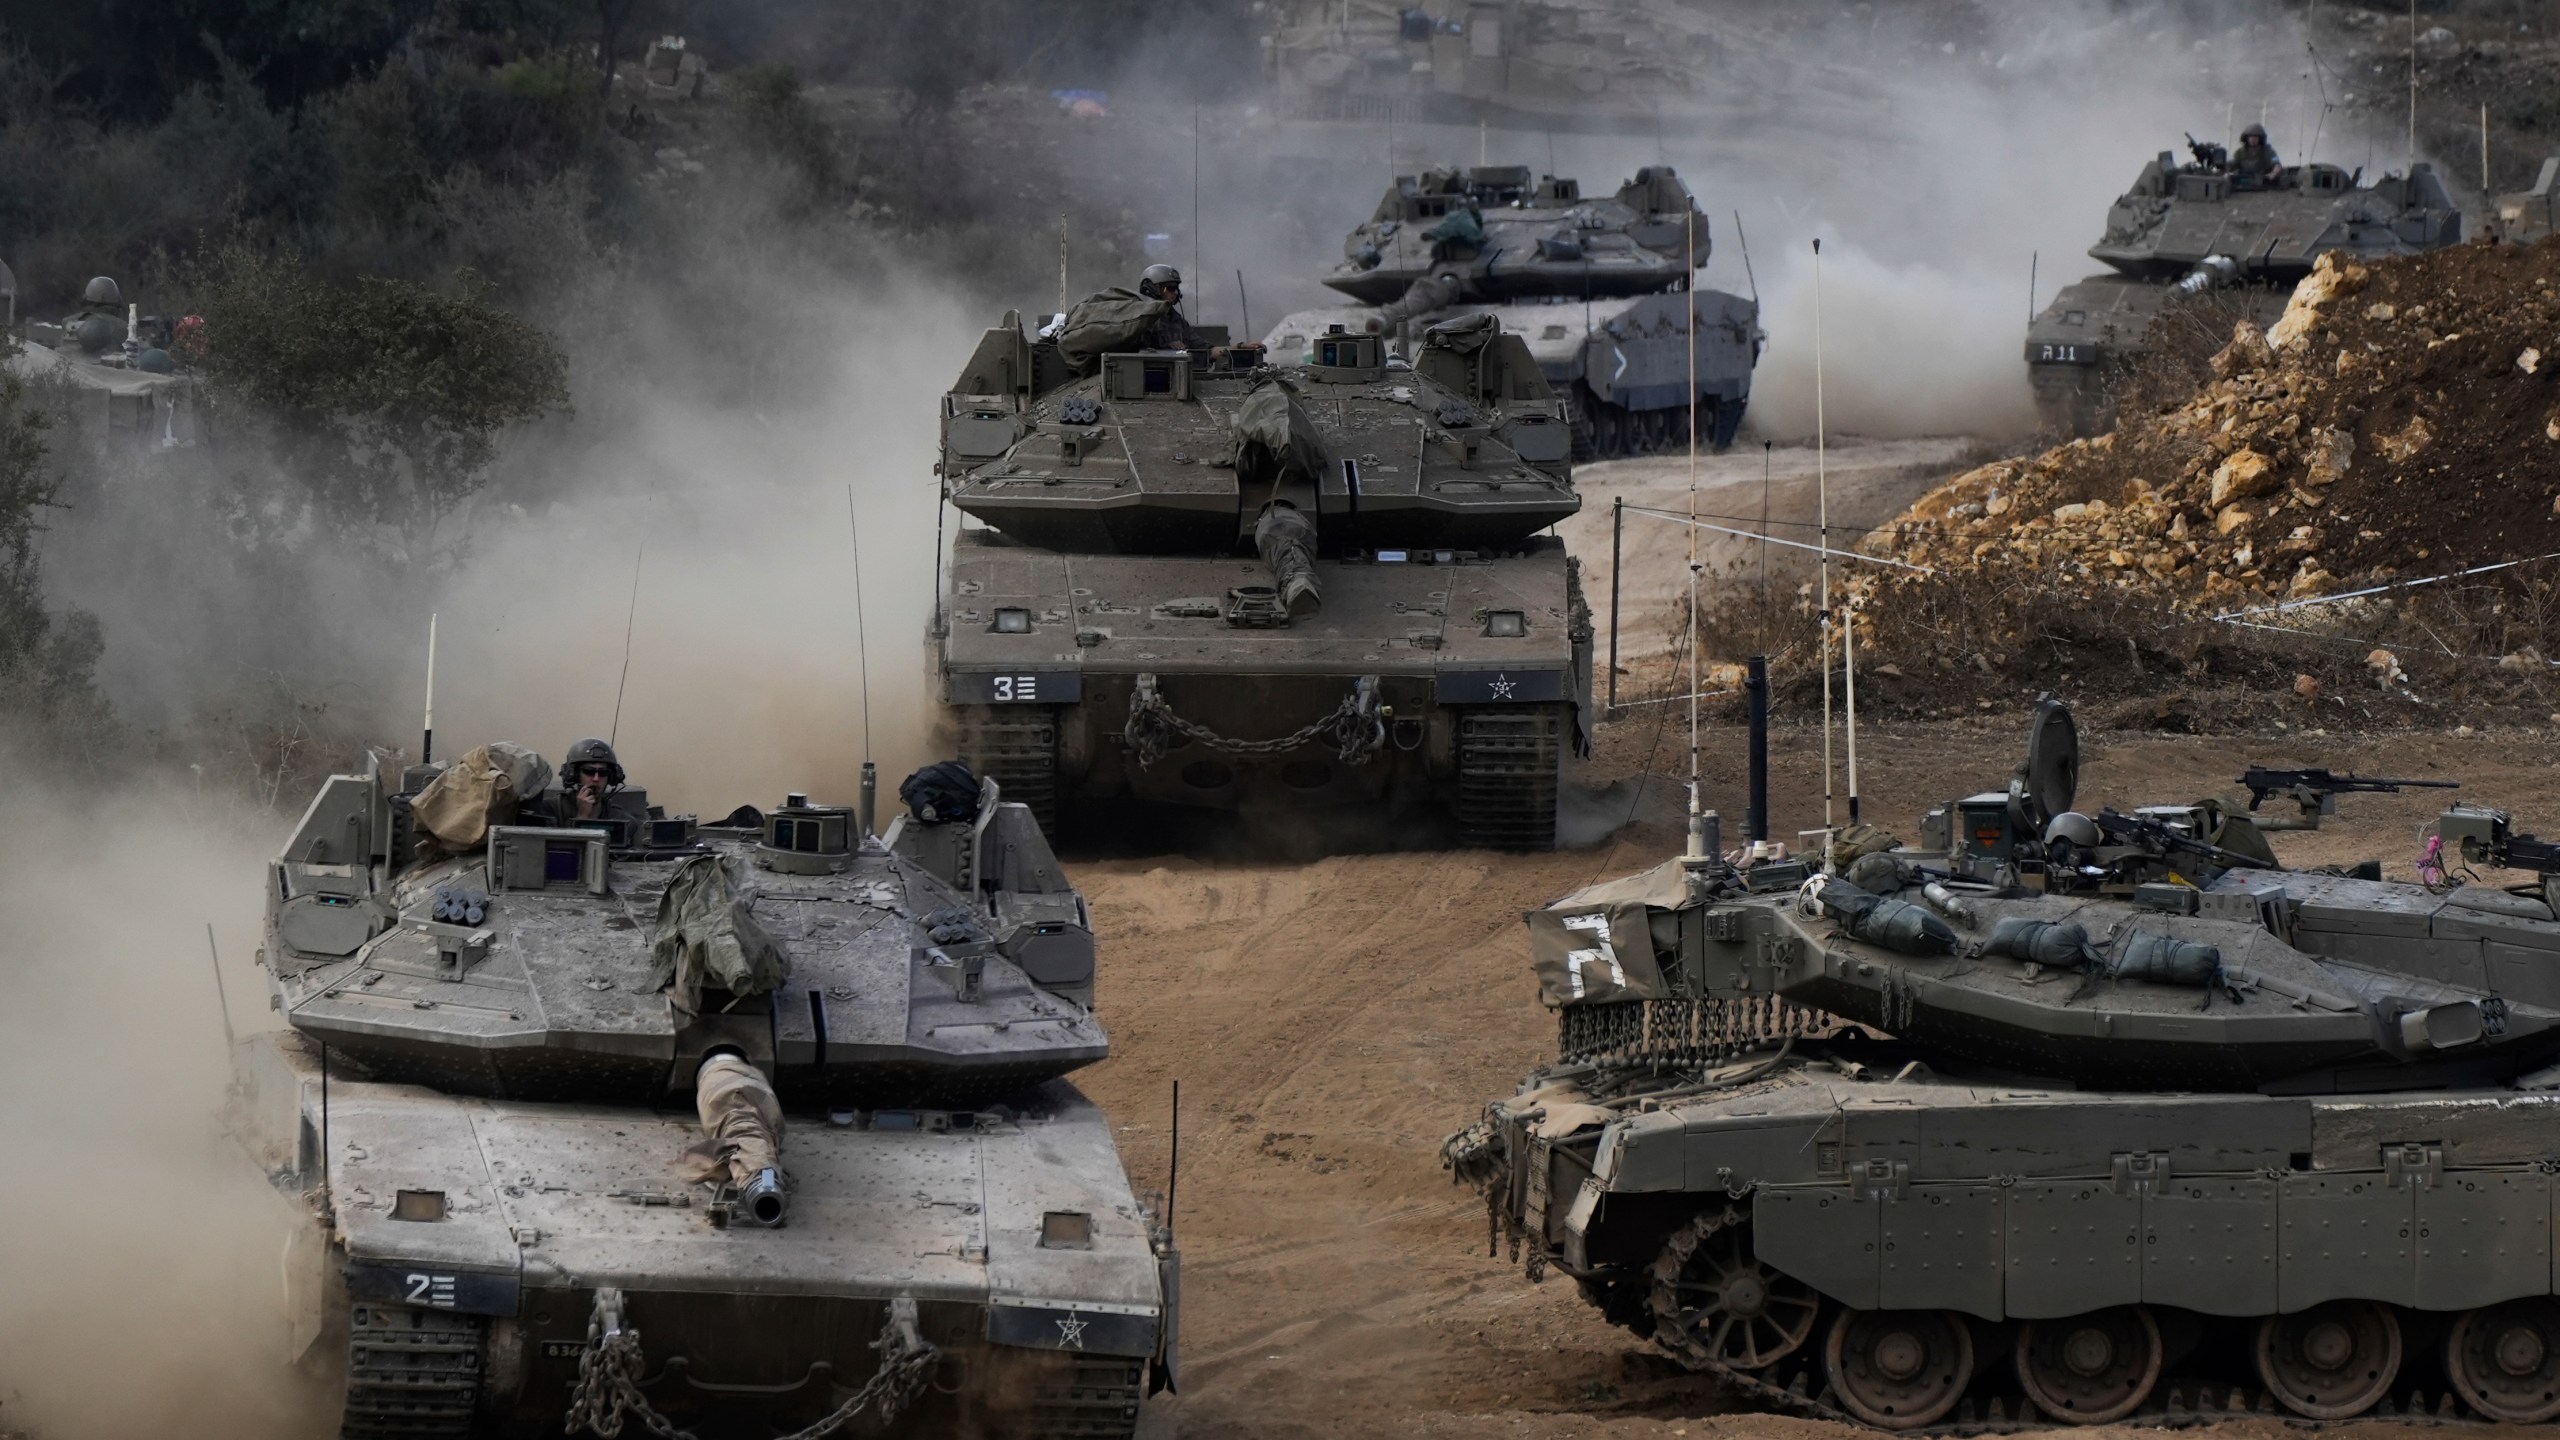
1049, 713
479, 1318
2023, 1210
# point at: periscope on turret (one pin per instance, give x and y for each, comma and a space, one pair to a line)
2040, 1115
1202, 579
584, 1110
1596, 284
2241, 229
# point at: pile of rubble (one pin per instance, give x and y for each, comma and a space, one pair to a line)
2401, 419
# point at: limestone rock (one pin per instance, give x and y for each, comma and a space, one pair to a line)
2244, 474
2230, 518
2329, 456
2403, 445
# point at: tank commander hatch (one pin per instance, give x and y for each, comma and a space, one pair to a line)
2256, 159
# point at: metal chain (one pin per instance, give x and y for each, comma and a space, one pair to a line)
1682, 1032
1355, 729
608, 1388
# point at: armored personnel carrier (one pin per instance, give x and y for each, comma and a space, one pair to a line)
734, 1129
1595, 285
2079, 1116
2209, 228
1213, 582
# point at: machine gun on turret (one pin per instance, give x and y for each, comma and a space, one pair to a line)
2317, 791
2211, 157
2166, 839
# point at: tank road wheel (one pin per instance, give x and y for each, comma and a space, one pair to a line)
410, 1372
2331, 1361
2092, 1368
1018, 746
1608, 431
1715, 1304
1899, 1369
1509, 766
2505, 1359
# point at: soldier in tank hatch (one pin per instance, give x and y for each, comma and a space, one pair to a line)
1168, 331
591, 780
2256, 159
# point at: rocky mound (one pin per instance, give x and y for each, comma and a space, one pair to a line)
2401, 419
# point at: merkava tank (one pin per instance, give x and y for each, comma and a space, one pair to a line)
2209, 231
1213, 582
735, 1129
2067, 1117
1594, 285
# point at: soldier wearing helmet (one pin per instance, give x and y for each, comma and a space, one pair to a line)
1168, 331
590, 780
99, 324
2256, 159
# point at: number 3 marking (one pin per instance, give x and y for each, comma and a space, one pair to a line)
1004, 687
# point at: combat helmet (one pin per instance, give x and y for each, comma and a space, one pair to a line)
590, 751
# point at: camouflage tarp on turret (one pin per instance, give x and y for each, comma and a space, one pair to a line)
1100, 324
707, 932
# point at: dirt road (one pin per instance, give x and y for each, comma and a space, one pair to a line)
1870, 481
1331, 1022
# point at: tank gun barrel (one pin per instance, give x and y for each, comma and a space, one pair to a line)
742, 1129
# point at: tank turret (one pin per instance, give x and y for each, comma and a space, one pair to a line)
2215, 224
2045, 1112
1214, 581
575, 1096
1595, 284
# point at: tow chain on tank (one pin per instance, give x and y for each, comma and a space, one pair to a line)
1356, 728
608, 1389
1682, 1032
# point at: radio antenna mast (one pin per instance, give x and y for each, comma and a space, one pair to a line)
1822, 502
427, 740
629, 618
1689, 295
862, 651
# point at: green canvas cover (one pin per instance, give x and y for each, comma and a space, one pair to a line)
707, 932
1274, 437
1597, 943
1466, 335
1102, 324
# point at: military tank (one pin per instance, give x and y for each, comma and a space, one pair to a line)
2209, 231
1594, 284
744, 1128
1208, 581
2063, 1117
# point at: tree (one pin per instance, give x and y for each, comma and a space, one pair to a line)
382, 400
47, 661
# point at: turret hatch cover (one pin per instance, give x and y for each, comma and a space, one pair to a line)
2049, 778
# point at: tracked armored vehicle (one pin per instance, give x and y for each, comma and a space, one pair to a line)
1595, 286
746, 1129
1208, 581
2078, 1117
2232, 243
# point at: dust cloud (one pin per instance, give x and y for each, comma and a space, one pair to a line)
140, 1275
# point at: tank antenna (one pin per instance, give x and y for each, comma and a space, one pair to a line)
1062, 263
427, 737
1244, 307
862, 650
1173, 1160
1195, 185
629, 618
229, 1040
1745, 242
1822, 503
1697, 817
2412, 171
2032, 257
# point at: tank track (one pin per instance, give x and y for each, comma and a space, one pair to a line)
1796, 1385
1095, 1397
411, 1372
1016, 745
1510, 765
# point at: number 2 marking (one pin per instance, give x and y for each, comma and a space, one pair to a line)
430, 1290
